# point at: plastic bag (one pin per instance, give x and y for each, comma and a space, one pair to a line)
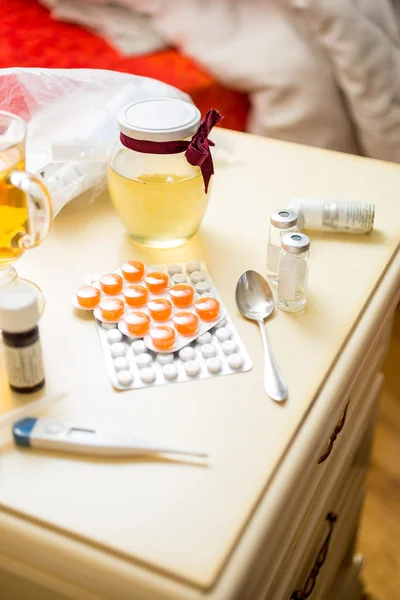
72, 121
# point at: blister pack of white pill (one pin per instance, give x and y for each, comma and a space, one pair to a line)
162, 324
131, 365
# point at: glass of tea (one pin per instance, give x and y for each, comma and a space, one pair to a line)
25, 205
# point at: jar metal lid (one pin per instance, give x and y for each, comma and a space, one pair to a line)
159, 120
283, 219
295, 243
19, 310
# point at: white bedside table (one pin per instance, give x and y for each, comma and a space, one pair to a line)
251, 525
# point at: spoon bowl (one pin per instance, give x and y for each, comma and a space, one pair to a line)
255, 301
254, 297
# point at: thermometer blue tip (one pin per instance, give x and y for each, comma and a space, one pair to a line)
22, 430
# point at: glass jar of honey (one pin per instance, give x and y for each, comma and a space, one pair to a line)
159, 170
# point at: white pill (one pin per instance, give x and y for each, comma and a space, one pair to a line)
208, 350
165, 359
192, 367
147, 375
192, 266
170, 371
143, 360
220, 324
198, 276
121, 364
108, 326
124, 377
222, 334
156, 269
202, 287
117, 349
187, 353
229, 347
207, 294
174, 269
179, 278
138, 346
235, 361
213, 364
205, 338
114, 336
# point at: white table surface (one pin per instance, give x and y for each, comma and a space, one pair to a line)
174, 518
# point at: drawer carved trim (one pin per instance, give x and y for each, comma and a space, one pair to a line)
338, 428
320, 560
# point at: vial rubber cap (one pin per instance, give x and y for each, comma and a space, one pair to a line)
295, 243
19, 309
283, 219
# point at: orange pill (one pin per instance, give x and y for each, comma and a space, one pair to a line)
111, 309
137, 323
133, 270
182, 294
135, 295
88, 296
111, 284
163, 337
156, 282
207, 308
186, 323
160, 309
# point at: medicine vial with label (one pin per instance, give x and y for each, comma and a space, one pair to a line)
281, 222
293, 272
19, 315
330, 215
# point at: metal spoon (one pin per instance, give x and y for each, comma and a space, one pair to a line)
255, 301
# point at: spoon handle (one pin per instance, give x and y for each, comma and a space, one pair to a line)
274, 384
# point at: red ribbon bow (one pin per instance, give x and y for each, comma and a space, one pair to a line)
197, 150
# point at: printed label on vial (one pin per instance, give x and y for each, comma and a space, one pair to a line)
24, 365
354, 216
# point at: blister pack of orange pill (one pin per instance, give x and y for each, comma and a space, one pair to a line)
161, 324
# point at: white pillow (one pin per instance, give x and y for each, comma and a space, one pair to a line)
361, 39
263, 47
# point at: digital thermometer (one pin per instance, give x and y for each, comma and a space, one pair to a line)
47, 434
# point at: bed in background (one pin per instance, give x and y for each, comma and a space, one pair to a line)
319, 72
29, 37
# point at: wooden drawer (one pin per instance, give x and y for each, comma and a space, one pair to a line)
328, 554
314, 554
357, 422
372, 363
316, 503
334, 480
341, 539
313, 472
351, 406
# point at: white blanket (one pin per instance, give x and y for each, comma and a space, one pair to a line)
130, 31
319, 72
